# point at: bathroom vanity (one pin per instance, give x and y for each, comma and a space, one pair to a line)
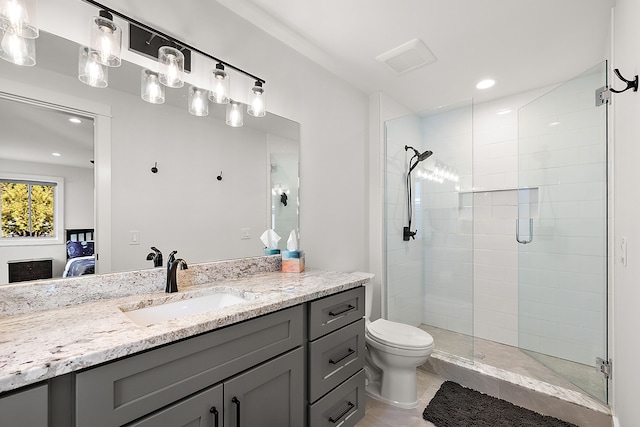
292, 354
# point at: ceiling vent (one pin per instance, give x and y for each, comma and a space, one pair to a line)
408, 56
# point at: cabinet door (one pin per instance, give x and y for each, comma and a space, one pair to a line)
201, 410
25, 408
269, 395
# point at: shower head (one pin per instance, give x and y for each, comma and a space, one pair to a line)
424, 155
418, 156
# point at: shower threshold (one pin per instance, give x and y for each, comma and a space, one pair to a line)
475, 362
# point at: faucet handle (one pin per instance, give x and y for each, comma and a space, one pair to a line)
172, 257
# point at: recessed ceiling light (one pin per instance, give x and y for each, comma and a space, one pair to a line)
503, 111
56, 154
486, 84
75, 120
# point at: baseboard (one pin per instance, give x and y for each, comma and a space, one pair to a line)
616, 423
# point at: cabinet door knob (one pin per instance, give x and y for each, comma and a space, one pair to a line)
236, 402
214, 411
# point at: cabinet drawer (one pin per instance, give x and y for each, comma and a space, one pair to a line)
28, 408
344, 406
201, 410
333, 312
334, 358
127, 389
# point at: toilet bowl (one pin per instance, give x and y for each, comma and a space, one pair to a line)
394, 351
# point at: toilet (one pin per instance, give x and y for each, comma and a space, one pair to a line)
394, 351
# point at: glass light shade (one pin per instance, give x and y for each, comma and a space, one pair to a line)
219, 81
234, 114
152, 91
106, 39
198, 102
257, 106
17, 50
171, 66
90, 71
17, 16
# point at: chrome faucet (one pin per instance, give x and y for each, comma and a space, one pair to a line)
172, 268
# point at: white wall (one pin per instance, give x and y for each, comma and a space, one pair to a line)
626, 128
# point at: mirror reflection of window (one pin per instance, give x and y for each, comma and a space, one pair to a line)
27, 209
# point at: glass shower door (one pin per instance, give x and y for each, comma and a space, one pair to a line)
562, 230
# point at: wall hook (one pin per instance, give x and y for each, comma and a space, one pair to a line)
154, 169
219, 177
631, 84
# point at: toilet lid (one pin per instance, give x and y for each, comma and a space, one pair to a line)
399, 335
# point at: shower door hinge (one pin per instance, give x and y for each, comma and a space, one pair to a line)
605, 367
603, 96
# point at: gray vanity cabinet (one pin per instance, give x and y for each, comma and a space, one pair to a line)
269, 395
202, 410
336, 359
25, 408
126, 390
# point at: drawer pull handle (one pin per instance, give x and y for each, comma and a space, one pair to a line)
235, 401
347, 354
349, 308
350, 406
214, 411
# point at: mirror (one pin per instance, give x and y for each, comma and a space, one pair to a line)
216, 188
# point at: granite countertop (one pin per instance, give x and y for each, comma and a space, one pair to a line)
39, 345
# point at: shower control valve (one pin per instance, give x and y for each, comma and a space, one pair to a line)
408, 234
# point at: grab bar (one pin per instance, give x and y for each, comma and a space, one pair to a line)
524, 242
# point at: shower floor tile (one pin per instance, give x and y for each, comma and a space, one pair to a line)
581, 378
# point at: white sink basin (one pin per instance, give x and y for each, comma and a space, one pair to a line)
173, 310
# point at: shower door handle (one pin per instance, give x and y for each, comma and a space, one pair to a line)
524, 241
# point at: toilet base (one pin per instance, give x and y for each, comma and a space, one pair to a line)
372, 389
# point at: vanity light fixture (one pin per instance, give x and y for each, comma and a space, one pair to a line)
151, 89
16, 17
198, 102
174, 58
257, 105
17, 50
234, 114
171, 66
90, 71
219, 85
106, 39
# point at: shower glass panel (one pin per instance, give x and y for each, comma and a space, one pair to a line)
562, 230
429, 279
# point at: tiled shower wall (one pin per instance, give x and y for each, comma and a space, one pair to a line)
470, 268
404, 261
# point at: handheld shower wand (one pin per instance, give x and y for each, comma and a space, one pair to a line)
407, 234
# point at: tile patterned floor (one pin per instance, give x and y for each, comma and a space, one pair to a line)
379, 414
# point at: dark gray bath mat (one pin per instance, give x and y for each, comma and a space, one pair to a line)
457, 406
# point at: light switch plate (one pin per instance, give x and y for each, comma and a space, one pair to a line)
134, 238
